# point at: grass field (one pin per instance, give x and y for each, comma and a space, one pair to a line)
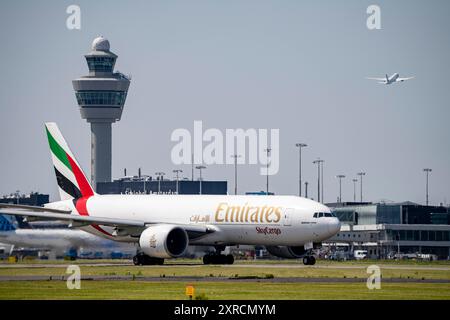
219, 290
228, 289
320, 271
244, 261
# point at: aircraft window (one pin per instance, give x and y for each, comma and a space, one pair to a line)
324, 214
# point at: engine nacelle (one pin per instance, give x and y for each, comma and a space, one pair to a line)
287, 252
164, 241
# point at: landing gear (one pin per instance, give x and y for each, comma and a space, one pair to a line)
217, 257
309, 260
213, 258
142, 259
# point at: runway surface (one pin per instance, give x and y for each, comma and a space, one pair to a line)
244, 265
197, 268
218, 279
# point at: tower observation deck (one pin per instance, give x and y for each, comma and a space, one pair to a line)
101, 96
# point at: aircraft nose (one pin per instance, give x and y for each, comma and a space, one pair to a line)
334, 226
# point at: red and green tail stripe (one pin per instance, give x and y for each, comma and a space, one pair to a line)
83, 188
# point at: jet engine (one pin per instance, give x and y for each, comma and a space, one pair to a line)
287, 252
164, 241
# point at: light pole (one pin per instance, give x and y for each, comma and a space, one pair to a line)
340, 177
306, 189
361, 174
354, 189
192, 167
427, 172
17, 194
160, 176
321, 179
177, 172
145, 190
201, 179
267, 173
318, 162
300, 146
235, 156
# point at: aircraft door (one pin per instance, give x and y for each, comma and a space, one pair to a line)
287, 221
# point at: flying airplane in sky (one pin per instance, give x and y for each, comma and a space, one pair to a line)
390, 80
165, 225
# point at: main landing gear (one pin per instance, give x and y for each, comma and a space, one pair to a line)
309, 260
218, 258
142, 259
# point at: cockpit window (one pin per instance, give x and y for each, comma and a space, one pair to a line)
324, 214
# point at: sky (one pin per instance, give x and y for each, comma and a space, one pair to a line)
296, 66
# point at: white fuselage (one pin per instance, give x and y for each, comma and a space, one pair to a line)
392, 78
254, 220
59, 239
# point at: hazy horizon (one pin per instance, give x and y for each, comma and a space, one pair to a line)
296, 66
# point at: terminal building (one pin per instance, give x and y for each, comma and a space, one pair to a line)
31, 199
149, 185
389, 229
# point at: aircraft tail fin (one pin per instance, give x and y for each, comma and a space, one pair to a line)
71, 180
6, 223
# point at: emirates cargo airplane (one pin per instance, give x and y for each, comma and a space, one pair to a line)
165, 225
392, 79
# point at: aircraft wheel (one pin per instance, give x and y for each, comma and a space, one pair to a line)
150, 261
312, 261
221, 259
306, 260
145, 260
207, 259
229, 259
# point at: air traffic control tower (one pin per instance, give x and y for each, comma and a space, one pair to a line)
101, 96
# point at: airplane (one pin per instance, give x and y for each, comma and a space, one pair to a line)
163, 226
19, 233
392, 79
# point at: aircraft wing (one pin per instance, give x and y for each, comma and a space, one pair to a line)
404, 79
194, 231
377, 79
54, 214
